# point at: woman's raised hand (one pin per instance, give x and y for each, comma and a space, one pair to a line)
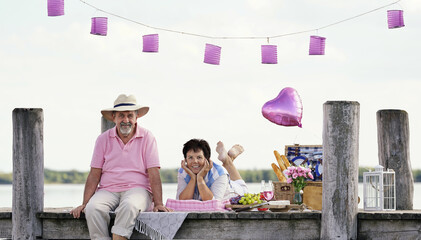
206, 168
188, 171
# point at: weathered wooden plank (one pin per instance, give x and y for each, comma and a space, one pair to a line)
389, 215
57, 224
340, 170
60, 225
65, 229
6, 228
28, 172
389, 229
105, 124
393, 145
249, 229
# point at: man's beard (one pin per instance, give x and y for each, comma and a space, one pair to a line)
125, 131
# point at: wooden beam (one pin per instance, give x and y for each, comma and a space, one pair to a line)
340, 169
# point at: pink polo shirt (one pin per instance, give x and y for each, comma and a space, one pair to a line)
124, 166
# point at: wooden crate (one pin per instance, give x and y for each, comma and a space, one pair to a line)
312, 196
283, 191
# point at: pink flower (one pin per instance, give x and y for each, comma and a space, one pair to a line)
294, 175
310, 175
289, 180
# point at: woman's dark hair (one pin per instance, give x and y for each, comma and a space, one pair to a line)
197, 145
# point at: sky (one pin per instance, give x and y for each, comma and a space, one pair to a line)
54, 63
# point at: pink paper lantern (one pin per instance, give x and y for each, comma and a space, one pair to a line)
317, 45
99, 26
212, 54
269, 54
395, 18
55, 8
150, 43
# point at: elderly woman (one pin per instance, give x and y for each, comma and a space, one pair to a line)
201, 179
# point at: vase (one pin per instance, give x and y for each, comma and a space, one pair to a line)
298, 198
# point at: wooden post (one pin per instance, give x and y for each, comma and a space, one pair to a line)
105, 124
28, 172
393, 142
340, 170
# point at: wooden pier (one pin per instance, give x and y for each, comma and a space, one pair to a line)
340, 217
58, 224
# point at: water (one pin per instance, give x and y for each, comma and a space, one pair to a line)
70, 195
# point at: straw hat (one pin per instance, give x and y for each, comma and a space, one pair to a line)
125, 103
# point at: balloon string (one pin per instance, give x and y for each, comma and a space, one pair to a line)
240, 37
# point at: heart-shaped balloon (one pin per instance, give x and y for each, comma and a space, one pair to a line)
286, 109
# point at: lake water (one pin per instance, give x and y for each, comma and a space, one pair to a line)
70, 195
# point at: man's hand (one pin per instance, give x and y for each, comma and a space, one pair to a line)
206, 168
76, 211
162, 208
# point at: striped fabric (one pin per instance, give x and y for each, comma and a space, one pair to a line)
196, 205
311, 153
210, 178
311, 157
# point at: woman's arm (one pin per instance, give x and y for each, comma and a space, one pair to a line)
204, 191
188, 192
219, 187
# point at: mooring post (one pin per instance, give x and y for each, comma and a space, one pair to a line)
105, 124
340, 170
393, 143
28, 172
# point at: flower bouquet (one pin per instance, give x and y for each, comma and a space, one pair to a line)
297, 176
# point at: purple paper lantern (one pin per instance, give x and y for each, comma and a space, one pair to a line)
150, 43
212, 54
317, 45
55, 8
99, 26
269, 54
395, 18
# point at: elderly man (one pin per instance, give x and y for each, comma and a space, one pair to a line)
125, 164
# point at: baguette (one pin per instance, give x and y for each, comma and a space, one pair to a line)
280, 161
278, 173
286, 161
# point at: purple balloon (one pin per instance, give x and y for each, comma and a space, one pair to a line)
286, 109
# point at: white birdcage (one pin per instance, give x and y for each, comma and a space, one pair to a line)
379, 189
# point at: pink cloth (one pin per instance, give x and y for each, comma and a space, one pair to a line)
124, 166
196, 205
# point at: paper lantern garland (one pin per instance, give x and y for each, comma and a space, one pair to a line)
212, 54
317, 45
269, 54
55, 8
99, 26
395, 19
150, 43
